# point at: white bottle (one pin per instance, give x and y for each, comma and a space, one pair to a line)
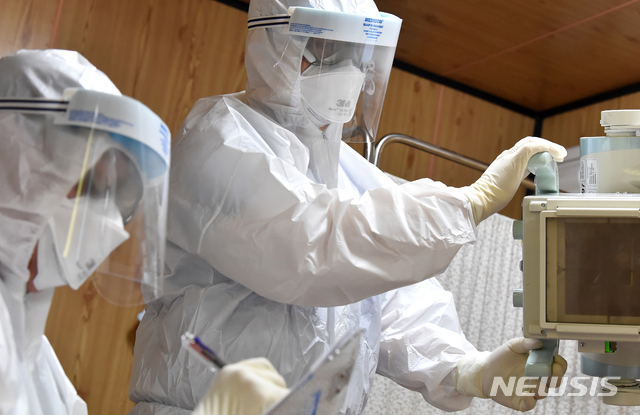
611, 164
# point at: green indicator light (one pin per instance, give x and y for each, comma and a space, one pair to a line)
609, 348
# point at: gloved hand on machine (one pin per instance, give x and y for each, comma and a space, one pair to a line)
497, 186
477, 372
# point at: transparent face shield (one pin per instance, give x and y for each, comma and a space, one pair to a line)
111, 224
345, 68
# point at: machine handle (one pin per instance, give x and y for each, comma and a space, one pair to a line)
547, 181
545, 169
540, 360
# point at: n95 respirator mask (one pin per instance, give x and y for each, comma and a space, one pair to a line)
68, 255
330, 92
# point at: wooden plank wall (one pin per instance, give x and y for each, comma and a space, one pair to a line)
167, 55
453, 120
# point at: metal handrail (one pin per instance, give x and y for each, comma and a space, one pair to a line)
374, 156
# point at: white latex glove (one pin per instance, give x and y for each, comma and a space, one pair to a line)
248, 387
476, 372
499, 183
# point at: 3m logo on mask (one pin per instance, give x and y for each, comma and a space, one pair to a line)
343, 103
343, 109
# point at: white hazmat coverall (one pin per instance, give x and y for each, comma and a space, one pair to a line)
36, 173
263, 259
40, 162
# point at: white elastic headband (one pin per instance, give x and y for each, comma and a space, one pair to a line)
33, 105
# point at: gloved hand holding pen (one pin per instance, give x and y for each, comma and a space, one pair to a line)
497, 186
248, 387
476, 373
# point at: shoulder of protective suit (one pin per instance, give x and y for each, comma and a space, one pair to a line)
201, 108
230, 121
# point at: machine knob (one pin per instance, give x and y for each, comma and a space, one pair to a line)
518, 297
517, 230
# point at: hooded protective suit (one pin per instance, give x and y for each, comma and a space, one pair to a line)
36, 173
265, 257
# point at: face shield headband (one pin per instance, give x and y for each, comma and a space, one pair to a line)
345, 66
112, 221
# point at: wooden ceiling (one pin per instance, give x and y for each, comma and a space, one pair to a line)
536, 54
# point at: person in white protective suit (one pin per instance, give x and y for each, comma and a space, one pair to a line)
83, 178
84, 174
281, 238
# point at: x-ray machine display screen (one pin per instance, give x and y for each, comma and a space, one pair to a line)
593, 270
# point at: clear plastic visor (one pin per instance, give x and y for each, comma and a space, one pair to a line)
111, 226
110, 223
345, 83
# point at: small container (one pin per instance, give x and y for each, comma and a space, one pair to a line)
611, 164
